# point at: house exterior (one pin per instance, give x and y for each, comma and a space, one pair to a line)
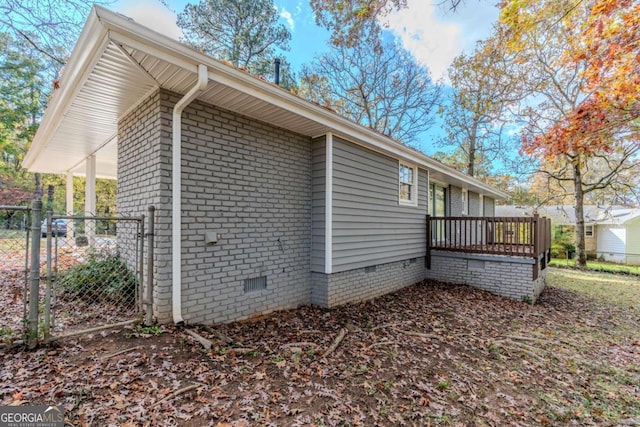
611, 233
264, 201
618, 236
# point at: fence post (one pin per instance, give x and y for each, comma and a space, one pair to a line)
148, 319
140, 288
536, 245
47, 295
548, 247
34, 289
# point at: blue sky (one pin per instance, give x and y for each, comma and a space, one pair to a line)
432, 34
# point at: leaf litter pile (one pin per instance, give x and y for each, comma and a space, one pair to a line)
430, 354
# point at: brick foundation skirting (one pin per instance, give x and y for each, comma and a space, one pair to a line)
360, 284
502, 275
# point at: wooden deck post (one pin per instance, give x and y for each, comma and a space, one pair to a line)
427, 257
536, 245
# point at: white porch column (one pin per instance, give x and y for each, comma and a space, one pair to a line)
69, 204
90, 198
69, 207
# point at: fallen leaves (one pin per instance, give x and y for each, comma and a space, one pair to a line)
428, 354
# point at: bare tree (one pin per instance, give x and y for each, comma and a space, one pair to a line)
385, 90
49, 27
484, 92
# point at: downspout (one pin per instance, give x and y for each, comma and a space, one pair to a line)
176, 185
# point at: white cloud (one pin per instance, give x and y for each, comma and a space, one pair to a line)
152, 14
435, 37
286, 15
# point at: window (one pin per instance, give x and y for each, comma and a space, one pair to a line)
408, 185
481, 206
588, 230
465, 202
438, 200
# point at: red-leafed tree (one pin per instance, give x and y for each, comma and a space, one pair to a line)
583, 113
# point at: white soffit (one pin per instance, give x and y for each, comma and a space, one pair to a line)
118, 63
90, 122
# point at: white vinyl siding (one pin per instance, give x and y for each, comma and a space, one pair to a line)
633, 242
612, 242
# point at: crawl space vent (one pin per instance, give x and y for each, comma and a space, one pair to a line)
255, 284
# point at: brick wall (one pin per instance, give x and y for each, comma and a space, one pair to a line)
508, 276
250, 183
247, 181
489, 207
474, 204
365, 283
144, 178
455, 201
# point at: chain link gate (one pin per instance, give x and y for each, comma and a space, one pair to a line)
15, 233
94, 273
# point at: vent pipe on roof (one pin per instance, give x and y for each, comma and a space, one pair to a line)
276, 79
176, 214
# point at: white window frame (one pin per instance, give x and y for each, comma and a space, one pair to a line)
588, 230
413, 194
481, 206
465, 202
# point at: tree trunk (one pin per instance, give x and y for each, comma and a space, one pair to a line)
471, 166
581, 260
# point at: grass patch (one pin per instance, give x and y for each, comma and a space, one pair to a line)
619, 290
606, 267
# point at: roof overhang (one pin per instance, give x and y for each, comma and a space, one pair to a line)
117, 63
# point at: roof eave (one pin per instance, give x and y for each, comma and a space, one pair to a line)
132, 34
92, 41
104, 25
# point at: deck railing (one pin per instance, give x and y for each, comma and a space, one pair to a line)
514, 236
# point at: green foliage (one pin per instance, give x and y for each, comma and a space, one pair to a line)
562, 241
21, 100
154, 330
243, 32
600, 266
102, 277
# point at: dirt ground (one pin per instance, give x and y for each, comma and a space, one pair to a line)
431, 354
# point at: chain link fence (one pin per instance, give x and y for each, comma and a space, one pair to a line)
67, 275
15, 223
94, 272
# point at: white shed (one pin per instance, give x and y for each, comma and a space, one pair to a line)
619, 237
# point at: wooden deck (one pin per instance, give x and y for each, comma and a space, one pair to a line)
493, 249
528, 237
